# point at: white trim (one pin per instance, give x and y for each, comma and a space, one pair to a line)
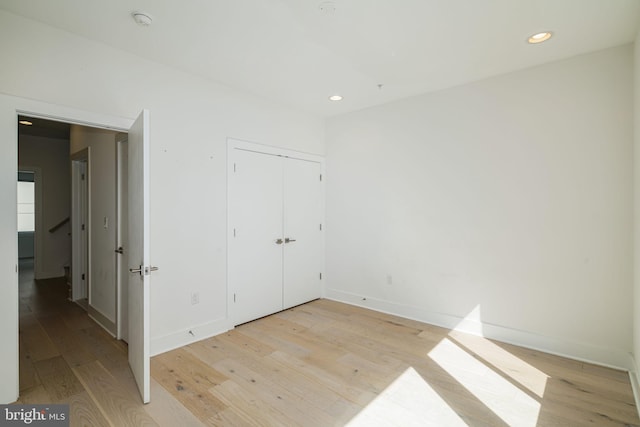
611, 358
239, 144
102, 320
187, 336
635, 385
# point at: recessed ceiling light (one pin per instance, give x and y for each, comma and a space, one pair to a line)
540, 37
25, 122
335, 98
142, 19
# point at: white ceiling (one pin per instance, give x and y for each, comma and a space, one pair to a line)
293, 53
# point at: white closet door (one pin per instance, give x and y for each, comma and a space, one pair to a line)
303, 252
255, 256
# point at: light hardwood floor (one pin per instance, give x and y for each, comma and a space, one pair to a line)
319, 364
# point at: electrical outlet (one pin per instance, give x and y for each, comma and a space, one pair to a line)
195, 298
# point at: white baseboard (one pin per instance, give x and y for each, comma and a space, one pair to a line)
612, 358
187, 336
51, 274
635, 385
636, 389
102, 320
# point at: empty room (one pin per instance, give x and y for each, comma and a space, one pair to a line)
343, 212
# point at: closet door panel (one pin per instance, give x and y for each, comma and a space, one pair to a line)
255, 254
303, 252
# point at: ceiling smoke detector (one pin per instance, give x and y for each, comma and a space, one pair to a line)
142, 19
327, 7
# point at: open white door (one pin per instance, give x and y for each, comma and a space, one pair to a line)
138, 252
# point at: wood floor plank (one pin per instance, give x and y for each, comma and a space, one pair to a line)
83, 412
114, 401
57, 378
166, 410
188, 379
110, 353
27, 373
250, 411
272, 394
244, 349
37, 344
35, 395
67, 341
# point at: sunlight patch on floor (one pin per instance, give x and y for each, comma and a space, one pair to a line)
472, 322
520, 371
408, 401
506, 400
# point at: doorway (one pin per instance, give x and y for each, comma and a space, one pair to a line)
88, 208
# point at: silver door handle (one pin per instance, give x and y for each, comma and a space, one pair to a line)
279, 242
143, 270
288, 240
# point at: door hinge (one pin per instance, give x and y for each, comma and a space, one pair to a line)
320, 227
82, 276
320, 276
82, 177
234, 232
320, 177
234, 167
82, 228
234, 297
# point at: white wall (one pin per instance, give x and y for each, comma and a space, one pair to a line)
51, 156
509, 199
102, 193
190, 121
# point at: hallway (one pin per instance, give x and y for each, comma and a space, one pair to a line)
65, 357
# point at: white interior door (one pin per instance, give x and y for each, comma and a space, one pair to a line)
303, 252
256, 240
84, 231
80, 228
138, 252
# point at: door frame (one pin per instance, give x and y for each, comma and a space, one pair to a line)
238, 144
80, 213
122, 273
12, 107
